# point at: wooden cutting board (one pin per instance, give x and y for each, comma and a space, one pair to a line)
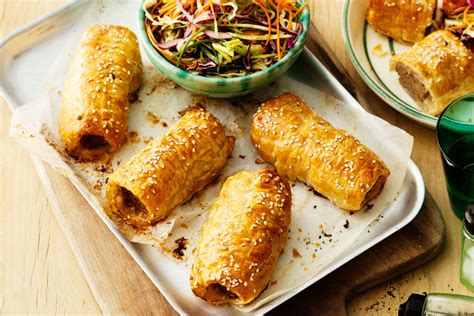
120, 286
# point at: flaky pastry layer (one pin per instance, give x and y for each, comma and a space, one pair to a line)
169, 170
104, 70
403, 20
436, 71
287, 133
244, 234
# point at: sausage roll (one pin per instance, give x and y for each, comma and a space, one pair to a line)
169, 170
244, 234
436, 71
104, 70
287, 133
403, 20
451, 7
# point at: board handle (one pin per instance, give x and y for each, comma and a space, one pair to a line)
116, 281
410, 247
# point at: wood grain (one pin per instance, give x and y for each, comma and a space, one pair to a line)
412, 246
40, 274
117, 282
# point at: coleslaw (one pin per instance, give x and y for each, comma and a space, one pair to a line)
460, 21
221, 38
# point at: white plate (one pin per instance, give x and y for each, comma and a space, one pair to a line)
28, 54
370, 52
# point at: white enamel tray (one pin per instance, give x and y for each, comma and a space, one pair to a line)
28, 53
370, 52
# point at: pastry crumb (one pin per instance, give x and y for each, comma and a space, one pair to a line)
346, 225
133, 137
178, 251
152, 118
147, 139
296, 253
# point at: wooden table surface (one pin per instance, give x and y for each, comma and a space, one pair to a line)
39, 273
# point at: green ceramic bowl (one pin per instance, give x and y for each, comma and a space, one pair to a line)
221, 87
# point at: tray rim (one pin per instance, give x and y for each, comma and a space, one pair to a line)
71, 4
412, 169
419, 183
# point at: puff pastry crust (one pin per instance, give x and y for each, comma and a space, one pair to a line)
403, 20
169, 170
104, 70
436, 71
244, 234
287, 133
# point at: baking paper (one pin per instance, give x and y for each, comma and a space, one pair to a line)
319, 231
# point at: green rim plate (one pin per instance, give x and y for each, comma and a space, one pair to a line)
376, 76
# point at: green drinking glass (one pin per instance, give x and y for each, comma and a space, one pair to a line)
455, 133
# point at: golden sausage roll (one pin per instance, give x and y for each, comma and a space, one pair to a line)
403, 20
104, 70
287, 133
436, 71
169, 170
244, 234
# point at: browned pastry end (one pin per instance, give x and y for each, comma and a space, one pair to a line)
244, 234
169, 170
287, 133
436, 71
104, 70
403, 20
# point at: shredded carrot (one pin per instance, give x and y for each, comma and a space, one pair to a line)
277, 21
465, 18
149, 31
169, 6
290, 6
214, 16
269, 21
304, 6
285, 42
